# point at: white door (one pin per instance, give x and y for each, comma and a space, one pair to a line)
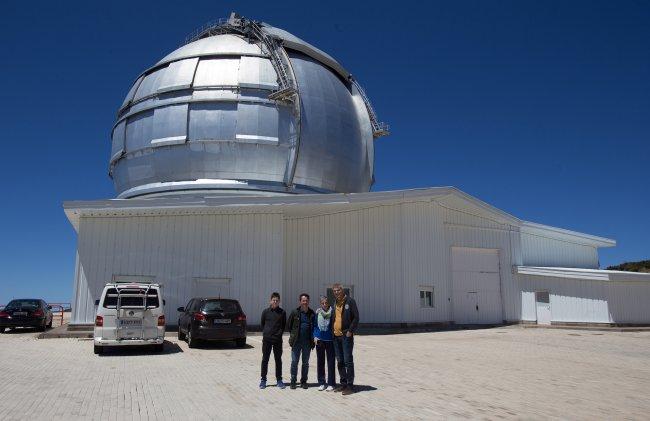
212, 287
476, 283
543, 306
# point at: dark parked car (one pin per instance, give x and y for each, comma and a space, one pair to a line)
213, 319
29, 312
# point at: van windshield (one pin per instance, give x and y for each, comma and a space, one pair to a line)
220, 305
131, 297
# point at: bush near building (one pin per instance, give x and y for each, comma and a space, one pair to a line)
640, 266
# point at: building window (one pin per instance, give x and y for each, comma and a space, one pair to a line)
426, 297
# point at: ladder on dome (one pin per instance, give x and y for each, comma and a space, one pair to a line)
378, 128
287, 87
118, 306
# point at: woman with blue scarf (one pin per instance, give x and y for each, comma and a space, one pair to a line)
324, 345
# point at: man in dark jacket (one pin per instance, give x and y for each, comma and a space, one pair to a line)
345, 320
273, 322
301, 338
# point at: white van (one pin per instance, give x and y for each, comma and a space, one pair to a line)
130, 314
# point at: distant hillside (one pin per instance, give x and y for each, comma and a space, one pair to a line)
642, 266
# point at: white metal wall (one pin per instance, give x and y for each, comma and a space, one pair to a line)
466, 230
246, 248
386, 252
587, 301
83, 304
542, 251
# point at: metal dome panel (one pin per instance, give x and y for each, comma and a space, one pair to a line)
210, 115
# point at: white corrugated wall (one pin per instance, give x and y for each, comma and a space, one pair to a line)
386, 252
175, 249
587, 301
466, 230
538, 250
83, 304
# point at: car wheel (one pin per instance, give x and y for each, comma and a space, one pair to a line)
241, 342
191, 342
49, 325
98, 349
42, 327
4, 330
181, 335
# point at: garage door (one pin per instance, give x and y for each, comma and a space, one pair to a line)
476, 285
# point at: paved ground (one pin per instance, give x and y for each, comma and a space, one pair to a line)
507, 372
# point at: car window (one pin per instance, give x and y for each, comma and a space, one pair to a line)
21, 304
128, 300
188, 307
195, 304
225, 306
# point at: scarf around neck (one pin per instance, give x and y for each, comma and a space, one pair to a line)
324, 318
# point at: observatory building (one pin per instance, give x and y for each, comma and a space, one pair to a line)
243, 163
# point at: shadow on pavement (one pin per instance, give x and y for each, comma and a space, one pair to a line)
357, 387
114, 351
221, 345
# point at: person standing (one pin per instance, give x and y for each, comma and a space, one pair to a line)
345, 320
273, 322
324, 338
301, 339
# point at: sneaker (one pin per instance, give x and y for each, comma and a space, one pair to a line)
303, 385
321, 387
281, 384
348, 390
292, 385
329, 389
263, 384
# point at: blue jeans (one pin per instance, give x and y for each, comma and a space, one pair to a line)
304, 348
343, 347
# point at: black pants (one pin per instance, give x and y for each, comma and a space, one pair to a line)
325, 349
277, 355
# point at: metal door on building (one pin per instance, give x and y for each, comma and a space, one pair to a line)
543, 307
476, 285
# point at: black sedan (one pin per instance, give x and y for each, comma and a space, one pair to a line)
28, 312
212, 319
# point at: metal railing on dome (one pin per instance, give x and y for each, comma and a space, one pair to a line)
287, 87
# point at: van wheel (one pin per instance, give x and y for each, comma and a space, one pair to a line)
241, 342
98, 349
191, 342
181, 335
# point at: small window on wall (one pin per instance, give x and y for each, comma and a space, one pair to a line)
426, 297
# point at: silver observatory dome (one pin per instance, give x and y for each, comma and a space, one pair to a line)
244, 107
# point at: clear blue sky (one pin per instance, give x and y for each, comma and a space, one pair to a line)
539, 108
